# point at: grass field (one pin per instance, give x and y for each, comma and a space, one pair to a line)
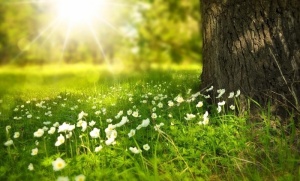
85, 122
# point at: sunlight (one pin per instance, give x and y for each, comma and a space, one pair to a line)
78, 11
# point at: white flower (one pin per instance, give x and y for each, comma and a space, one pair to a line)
46, 122
29, 116
109, 130
209, 89
146, 147
95, 133
69, 135
65, 127
60, 140
37, 142
30, 167
98, 148
160, 105
110, 141
71, 127
205, 119
9, 142
232, 107
58, 164
119, 115
179, 99
92, 123
82, 115
83, 126
221, 92
131, 133
154, 116
38, 133
219, 109
56, 124
170, 103
189, 117
109, 120
221, 103
231, 95
129, 112
144, 124
52, 130
16, 134
123, 121
34, 151
97, 112
157, 127
80, 178
135, 150
135, 114
62, 178
238, 92
200, 104
45, 128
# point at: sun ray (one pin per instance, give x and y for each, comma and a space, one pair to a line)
92, 30
68, 32
72, 16
51, 25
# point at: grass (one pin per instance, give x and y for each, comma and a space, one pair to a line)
182, 145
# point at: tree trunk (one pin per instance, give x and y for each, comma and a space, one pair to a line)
254, 46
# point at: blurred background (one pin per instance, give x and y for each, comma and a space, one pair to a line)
136, 33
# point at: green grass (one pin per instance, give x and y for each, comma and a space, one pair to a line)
229, 147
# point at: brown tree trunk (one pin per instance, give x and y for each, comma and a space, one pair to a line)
254, 46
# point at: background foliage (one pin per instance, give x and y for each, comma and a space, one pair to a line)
145, 31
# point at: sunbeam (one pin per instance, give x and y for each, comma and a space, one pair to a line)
81, 16
51, 25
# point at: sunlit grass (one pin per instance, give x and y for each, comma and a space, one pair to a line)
62, 122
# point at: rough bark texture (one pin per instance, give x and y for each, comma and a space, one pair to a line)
254, 46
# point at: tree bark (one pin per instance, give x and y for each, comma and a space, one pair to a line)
254, 46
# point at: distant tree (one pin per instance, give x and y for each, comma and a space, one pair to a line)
253, 46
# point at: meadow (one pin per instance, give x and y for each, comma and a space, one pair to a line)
85, 122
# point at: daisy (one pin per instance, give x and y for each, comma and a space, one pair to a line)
135, 150
95, 133
58, 164
30, 167
16, 134
146, 147
60, 140
98, 148
131, 133
34, 151
154, 116
80, 178
189, 117
200, 104
82, 115
52, 130
38, 133
9, 142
